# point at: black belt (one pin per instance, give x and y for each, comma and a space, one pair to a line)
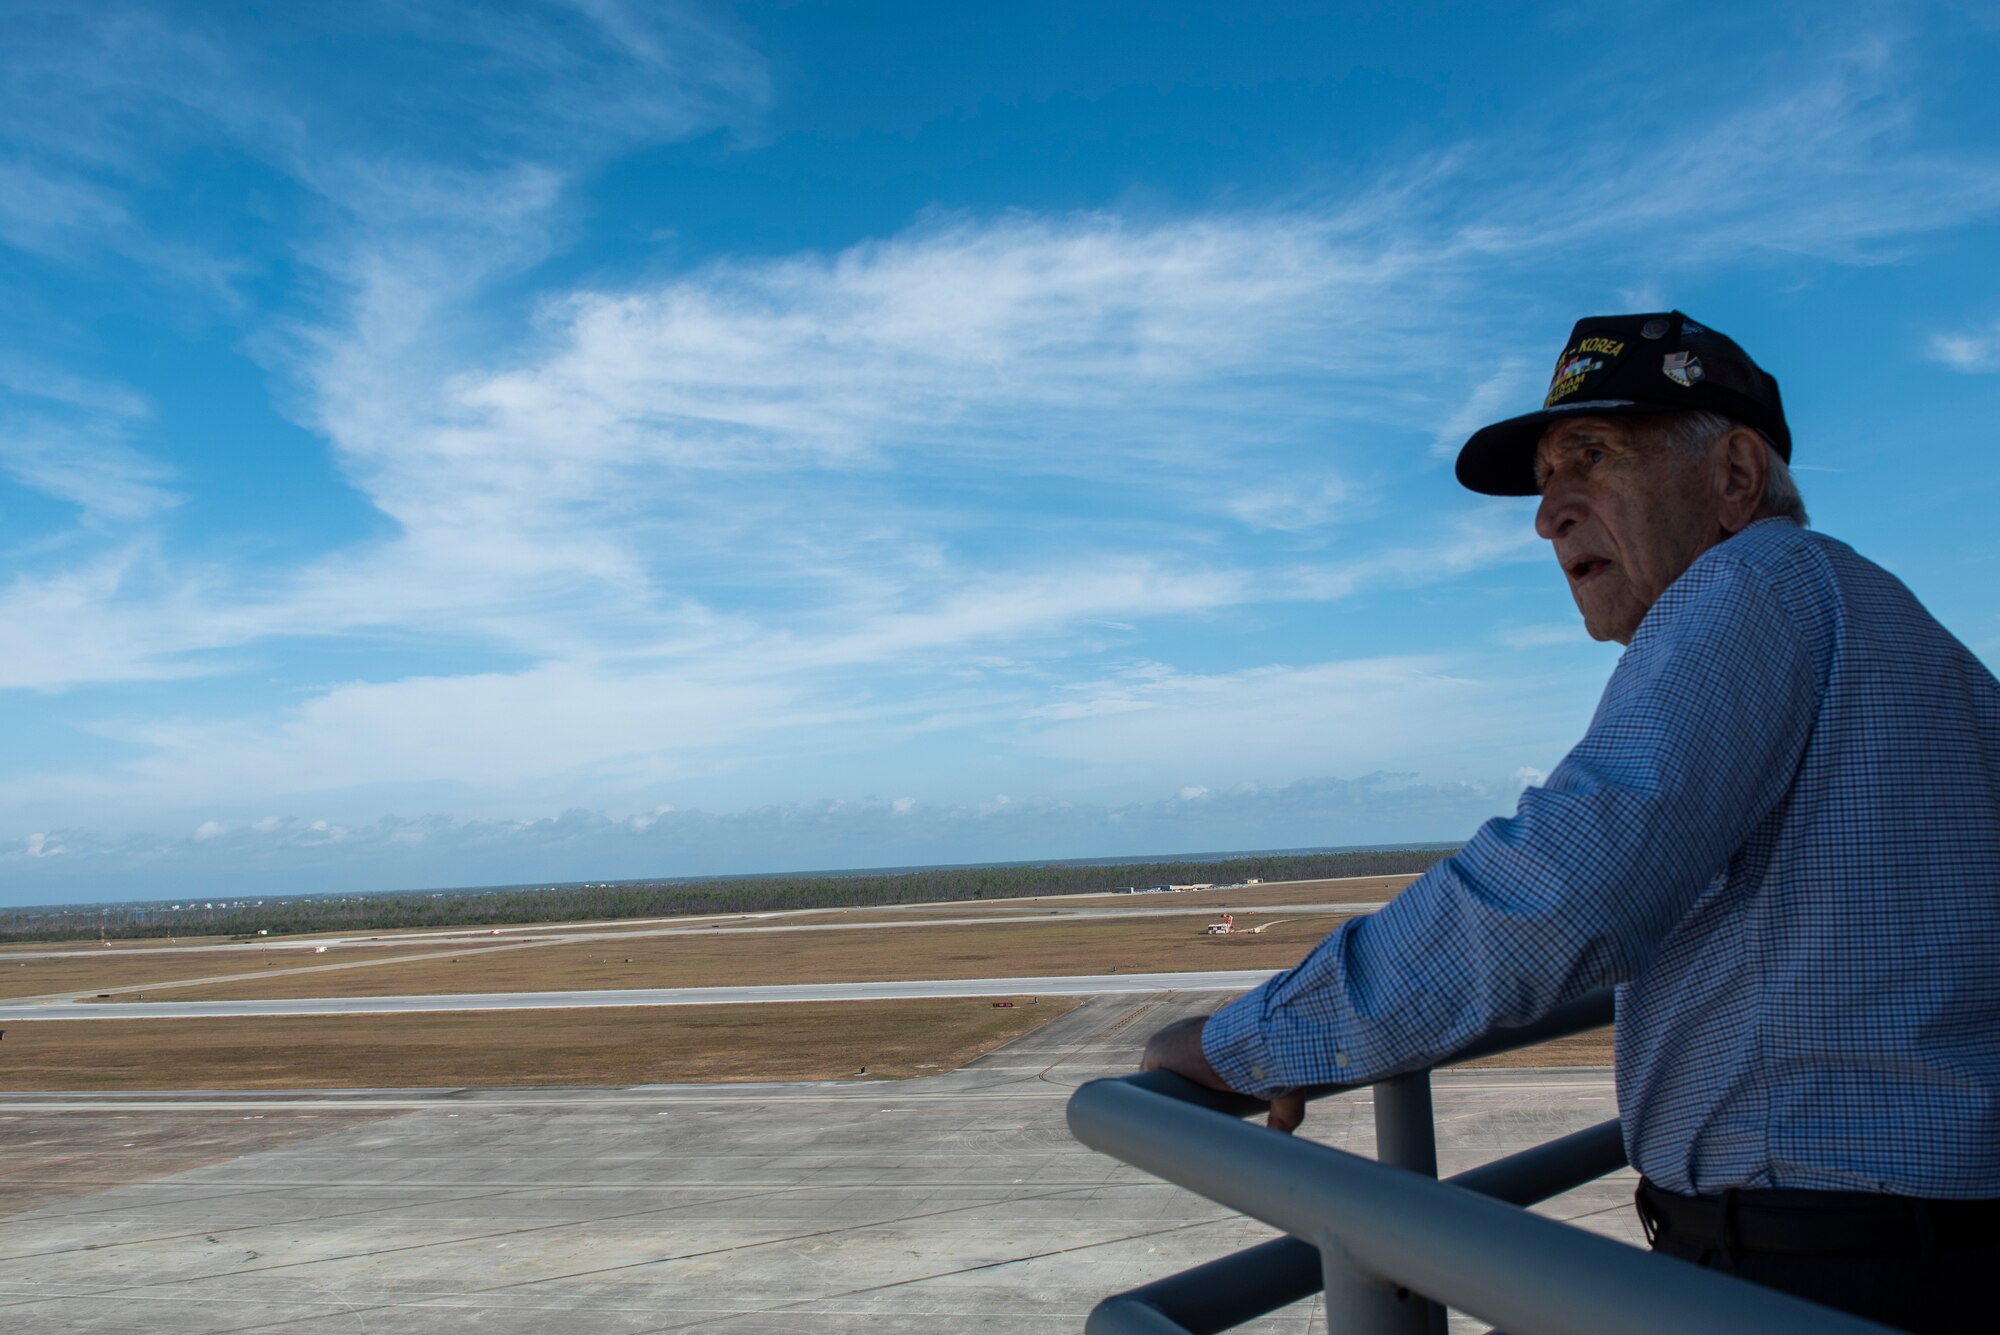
1818, 1222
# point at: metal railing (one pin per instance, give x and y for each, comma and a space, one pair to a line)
1390, 1245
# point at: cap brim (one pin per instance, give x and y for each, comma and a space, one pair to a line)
1499, 460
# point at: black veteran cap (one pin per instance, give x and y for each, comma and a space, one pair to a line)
1624, 365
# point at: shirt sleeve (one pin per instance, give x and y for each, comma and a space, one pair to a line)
1695, 742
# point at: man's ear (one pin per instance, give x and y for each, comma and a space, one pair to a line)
1742, 464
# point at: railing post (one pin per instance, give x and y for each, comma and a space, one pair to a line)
1406, 1136
1356, 1301
1405, 1129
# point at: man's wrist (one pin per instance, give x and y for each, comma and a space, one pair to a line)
1233, 1044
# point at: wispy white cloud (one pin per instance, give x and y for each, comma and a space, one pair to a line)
105, 479
1643, 297
1490, 535
27, 376
1555, 634
492, 730
1828, 160
1974, 352
1378, 713
68, 436
1289, 505
116, 617
1506, 389
47, 214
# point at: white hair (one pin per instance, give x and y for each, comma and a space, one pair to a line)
1690, 434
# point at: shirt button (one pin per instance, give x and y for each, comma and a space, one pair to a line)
1340, 1060
1256, 1071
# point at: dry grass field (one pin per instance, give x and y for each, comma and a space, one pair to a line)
1000, 949
1592, 1049
610, 1046
112, 970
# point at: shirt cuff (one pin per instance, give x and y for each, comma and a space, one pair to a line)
1233, 1042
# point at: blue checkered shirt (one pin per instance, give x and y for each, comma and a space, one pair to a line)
1780, 838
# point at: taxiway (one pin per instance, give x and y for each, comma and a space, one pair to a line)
954, 1202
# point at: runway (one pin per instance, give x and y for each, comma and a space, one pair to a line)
733, 924
953, 1202
1087, 985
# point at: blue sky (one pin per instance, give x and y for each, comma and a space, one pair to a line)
445, 445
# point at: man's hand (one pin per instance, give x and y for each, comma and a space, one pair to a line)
1177, 1048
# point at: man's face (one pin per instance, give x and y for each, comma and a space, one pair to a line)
1626, 516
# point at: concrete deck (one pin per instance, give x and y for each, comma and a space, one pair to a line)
957, 1202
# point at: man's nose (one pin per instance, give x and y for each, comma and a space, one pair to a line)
1559, 511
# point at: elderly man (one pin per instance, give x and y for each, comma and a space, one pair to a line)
1780, 838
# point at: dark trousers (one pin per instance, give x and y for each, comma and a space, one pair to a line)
1931, 1266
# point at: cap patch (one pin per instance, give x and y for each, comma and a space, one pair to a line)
1569, 377
1577, 363
1683, 368
1653, 329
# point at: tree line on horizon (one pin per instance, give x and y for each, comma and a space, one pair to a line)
660, 899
